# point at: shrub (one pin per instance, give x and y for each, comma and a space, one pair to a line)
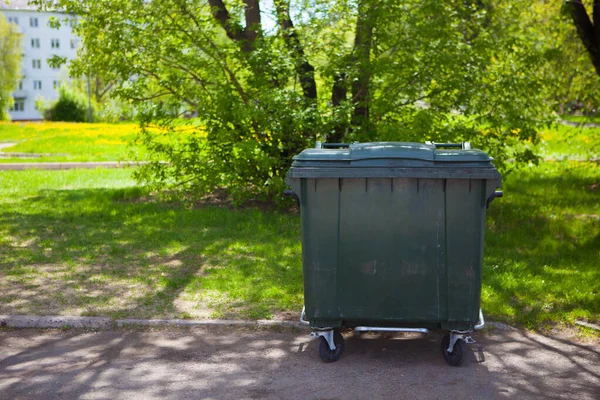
71, 106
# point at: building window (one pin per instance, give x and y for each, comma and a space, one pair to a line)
36, 64
56, 84
14, 20
18, 106
55, 43
35, 43
33, 21
37, 85
73, 43
20, 85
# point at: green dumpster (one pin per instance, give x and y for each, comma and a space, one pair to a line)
392, 239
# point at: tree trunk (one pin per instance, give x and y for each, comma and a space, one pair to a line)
339, 93
233, 30
253, 26
587, 32
362, 58
596, 17
244, 36
305, 71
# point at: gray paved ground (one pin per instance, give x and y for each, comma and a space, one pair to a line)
244, 363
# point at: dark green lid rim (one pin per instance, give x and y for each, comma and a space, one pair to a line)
401, 172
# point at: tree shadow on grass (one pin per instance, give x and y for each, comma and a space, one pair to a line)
99, 252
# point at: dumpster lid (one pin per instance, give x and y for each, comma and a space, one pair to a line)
392, 156
392, 151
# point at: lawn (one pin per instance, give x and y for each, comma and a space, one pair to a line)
581, 119
542, 249
60, 141
88, 242
570, 142
63, 141
91, 242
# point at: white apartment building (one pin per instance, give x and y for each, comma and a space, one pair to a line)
40, 42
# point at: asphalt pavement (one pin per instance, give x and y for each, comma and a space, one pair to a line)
282, 363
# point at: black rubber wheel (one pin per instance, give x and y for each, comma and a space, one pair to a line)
326, 353
456, 357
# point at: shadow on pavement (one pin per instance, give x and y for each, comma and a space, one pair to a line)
204, 363
529, 365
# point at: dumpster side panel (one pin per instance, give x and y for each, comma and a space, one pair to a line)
319, 200
391, 242
465, 218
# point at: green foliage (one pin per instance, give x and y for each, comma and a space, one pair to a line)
71, 106
112, 110
10, 64
107, 108
418, 70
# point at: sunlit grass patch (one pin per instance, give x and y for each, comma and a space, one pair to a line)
543, 246
570, 142
63, 141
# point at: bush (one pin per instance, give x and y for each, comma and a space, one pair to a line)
71, 106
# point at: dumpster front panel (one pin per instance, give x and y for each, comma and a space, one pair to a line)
465, 218
320, 200
391, 242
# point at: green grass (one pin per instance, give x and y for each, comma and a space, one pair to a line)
543, 246
568, 142
581, 119
61, 141
89, 242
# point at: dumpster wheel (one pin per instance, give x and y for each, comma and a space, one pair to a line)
326, 353
455, 358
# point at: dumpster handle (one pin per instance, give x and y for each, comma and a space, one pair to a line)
497, 193
332, 145
290, 192
462, 145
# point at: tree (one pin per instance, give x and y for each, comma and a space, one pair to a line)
10, 64
588, 33
328, 70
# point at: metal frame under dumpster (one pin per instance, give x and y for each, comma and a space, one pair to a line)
392, 239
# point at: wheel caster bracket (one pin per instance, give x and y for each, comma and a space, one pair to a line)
454, 336
327, 334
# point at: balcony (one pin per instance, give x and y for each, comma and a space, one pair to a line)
19, 94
